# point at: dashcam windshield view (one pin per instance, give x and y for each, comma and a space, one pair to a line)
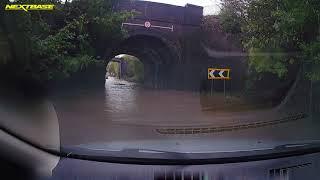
145, 79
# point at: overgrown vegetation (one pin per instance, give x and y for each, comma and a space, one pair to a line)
45, 45
277, 34
134, 69
113, 69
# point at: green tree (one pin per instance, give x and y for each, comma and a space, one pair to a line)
277, 34
232, 15
113, 69
135, 69
55, 44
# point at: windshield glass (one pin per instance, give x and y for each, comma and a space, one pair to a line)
180, 76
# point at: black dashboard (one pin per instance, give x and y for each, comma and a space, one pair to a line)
292, 168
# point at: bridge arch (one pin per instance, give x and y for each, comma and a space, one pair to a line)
155, 53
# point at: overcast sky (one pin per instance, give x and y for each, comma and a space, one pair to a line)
210, 6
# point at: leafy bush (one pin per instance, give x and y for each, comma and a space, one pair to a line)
55, 44
134, 69
288, 30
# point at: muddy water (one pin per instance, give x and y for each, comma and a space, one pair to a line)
127, 115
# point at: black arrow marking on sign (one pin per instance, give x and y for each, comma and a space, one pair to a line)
216, 73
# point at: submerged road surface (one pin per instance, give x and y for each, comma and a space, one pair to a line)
126, 115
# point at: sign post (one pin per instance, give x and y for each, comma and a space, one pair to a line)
224, 87
219, 74
211, 89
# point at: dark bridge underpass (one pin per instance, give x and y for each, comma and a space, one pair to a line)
167, 39
157, 57
177, 50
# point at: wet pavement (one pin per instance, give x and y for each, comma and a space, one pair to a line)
126, 115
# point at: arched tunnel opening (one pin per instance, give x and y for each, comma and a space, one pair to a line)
157, 58
125, 67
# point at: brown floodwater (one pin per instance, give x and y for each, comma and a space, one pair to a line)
128, 115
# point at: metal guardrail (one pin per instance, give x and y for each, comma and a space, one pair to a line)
207, 130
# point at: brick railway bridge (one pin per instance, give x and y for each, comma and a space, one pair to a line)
173, 47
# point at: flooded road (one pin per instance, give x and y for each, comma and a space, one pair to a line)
126, 115
129, 103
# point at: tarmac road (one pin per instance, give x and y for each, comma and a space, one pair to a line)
127, 116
